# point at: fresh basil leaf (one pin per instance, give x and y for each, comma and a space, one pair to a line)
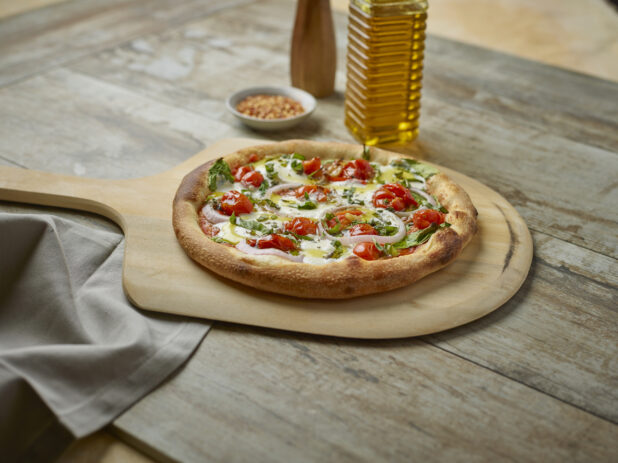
420, 236
267, 202
337, 251
382, 228
307, 205
348, 194
263, 187
250, 224
411, 165
335, 230
297, 166
298, 156
217, 239
298, 237
219, 169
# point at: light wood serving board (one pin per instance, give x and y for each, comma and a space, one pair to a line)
158, 276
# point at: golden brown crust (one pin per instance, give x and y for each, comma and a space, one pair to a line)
337, 280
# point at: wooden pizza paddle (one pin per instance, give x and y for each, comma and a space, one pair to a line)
157, 275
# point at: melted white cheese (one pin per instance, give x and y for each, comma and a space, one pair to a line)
316, 249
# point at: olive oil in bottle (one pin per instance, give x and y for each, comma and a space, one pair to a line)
386, 41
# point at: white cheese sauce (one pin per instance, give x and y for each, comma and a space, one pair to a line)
351, 193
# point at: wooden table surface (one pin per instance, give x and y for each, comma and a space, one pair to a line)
120, 89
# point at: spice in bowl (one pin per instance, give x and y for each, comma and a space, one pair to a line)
270, 107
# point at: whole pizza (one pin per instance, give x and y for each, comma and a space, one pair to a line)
321, 220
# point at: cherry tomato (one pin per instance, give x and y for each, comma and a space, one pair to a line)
312, 190
341, 217
367, 251
252, 178
383, 198
273, 241
395, 196
302, 226
311, 166
362, 229
407, 251
241, 172
234, 202
422, 219
358, 169
401, 192
253, 157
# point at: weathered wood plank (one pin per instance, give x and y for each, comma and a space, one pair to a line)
572, 105
254, 395
71, 123
199, 65
34, 41
142, 131
558, 333
562, 188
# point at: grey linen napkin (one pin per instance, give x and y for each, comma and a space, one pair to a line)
74, 353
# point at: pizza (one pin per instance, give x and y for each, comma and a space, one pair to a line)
321, 220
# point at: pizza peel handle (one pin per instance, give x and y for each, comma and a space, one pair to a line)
48, 189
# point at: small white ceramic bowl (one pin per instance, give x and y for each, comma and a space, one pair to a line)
305, 99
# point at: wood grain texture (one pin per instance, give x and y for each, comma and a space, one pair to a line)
505, 121
36, 41
157, 275
316, 399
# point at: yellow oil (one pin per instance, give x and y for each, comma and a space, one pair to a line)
386, 42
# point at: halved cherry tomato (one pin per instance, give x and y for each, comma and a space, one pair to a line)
401, 192
395, 196
253, 178
234, 202
359, 169
367, 251
253, 157
312, 165
341, 217
302, 226
273, 241
362, 229
240, 172
407, 251
313, 190
422, 219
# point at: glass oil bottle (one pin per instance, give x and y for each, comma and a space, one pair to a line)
386, 41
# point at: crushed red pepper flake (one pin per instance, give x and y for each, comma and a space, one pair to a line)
270, 107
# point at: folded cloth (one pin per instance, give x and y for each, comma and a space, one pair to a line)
74, 353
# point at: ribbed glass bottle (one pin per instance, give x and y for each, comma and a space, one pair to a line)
386, 42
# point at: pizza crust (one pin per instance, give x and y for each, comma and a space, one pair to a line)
347, 278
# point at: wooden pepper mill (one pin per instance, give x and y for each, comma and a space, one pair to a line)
314, 57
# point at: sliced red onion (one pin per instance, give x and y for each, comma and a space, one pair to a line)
347, 239
282, 186
244, 247
409, 213
212, 215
